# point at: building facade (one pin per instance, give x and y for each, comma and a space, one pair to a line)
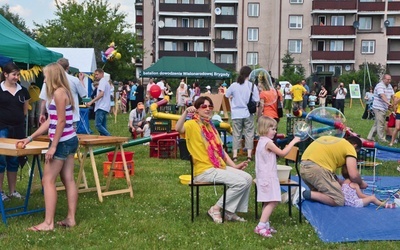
322, 35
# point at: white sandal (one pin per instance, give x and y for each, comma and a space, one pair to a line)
234, 217
215, 215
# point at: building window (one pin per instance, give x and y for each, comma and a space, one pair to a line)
296, 1
252, 34
252, 58
139, 12
336, 45
335, 69
227, 10
185, 22
319, 68
391, 20
185, 46
170, 1
185, 1
170, 46
368, 47
227, 34
139, 32
337, 20
199, 46
226, 58
295, 46
199, 23
170, 22
198, 1
295, 22
253, 9
365, 23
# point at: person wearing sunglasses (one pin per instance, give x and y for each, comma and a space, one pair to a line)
212, 163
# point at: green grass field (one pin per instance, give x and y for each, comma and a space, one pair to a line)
158, 217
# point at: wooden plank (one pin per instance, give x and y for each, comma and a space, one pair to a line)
7, 147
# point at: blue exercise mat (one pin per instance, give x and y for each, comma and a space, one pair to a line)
346, 224
387, 156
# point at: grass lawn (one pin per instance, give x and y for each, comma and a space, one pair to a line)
158, 217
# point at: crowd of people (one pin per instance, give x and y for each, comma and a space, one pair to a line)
59, 114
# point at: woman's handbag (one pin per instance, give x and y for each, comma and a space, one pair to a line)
252, 105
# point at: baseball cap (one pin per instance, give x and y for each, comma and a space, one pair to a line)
140, 105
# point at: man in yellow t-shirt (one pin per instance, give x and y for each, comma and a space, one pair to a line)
319, 163
298, 91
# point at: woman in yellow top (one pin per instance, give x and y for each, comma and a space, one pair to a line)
396, 108
212, 163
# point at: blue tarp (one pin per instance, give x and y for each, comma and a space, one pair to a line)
346, 224
4, 60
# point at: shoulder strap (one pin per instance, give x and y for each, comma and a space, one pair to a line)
251, 93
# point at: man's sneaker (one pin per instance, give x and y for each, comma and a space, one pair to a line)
16, 195
4, 197
264, 232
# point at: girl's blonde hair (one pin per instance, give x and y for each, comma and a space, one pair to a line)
264, 124
56, 78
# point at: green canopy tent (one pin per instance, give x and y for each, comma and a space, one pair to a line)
23, 49
185, 67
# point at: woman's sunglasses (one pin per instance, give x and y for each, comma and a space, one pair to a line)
203, 106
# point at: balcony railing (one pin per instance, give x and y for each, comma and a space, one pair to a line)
179, 31
332, 55
393, 31
227, 66
184, 53
225, 43
139, 19
393, 55
392, 6
371, 6
226, 19
334, 4
172, 7
332, 30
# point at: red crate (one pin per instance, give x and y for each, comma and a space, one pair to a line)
167, 148
118, 170
154, 151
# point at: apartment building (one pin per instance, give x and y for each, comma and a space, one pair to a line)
323, 35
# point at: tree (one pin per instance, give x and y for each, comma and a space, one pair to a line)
15, 19
92, 24
291, 72
363, 75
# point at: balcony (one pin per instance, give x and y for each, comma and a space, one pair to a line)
334, 5
225, 43
139, 19
184, 53
227, 66
172, 7
371, 6
226, 19
393, 56
179, 31
139, 2
393, 6
393, 31
332, 30
332, 55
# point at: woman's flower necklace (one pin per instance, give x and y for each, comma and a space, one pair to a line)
213, 145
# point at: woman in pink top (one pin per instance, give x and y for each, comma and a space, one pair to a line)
269, 190
59, 159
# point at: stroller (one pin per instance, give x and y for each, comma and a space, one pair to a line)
370, 112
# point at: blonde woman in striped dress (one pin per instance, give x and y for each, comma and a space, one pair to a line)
59, 159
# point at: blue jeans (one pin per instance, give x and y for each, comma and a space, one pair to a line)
9, 162
65, 148
101, 122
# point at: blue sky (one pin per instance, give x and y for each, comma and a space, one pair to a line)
41, 10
